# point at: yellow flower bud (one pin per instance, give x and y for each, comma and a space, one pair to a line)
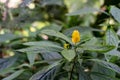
66, 46
75, 36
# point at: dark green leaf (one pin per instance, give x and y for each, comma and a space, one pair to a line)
51, 56
82, 74
102, 70
68, 54
56, 34
103, 76
52, 2
43, 44
85, 10
7, 62
31, 57
92, 41
14, 75
46, 74
53, 26
81, 30
25, 3
7, 37
115, 13
37, 49
108, 65
96, 48
112, 39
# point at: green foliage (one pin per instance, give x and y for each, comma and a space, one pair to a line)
56, 34
7, 62
115, 13
14, 75
101, 73
68, 54
86, 10
36, 40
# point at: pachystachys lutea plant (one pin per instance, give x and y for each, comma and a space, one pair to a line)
70, 58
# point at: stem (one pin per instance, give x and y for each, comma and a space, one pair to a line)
74, 61
72, 71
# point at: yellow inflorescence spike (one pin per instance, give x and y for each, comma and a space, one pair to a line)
75, 36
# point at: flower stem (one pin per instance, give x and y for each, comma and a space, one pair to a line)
72, 70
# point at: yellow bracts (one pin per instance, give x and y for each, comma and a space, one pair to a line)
75, 36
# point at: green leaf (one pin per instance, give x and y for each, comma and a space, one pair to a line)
112, 39
7, 62
111, 53
115, 13
6, 71
92, 41
82, 74
7, 37
43, 44
37, 49
52, 26
85, 10
103, 76
108, 65
56, 34
52, 2
102, 70
47, 73
25, 3
14, 75
96, 48
73, 5
31, 57
68, 54
81, 29
51, 57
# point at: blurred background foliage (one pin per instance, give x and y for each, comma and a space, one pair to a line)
22, 21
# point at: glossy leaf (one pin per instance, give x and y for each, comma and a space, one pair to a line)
102, 70
6, 37
37, 49
7, 62
14, 75
112, 39
51, 56
31, 57
96, 48
56, 34
43, 44
85, 10
68, 54
80, 29
103, 76
92, 41
108, 65
82, 74
115, 13
25, 3
46, 73
51, 2
53, 26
